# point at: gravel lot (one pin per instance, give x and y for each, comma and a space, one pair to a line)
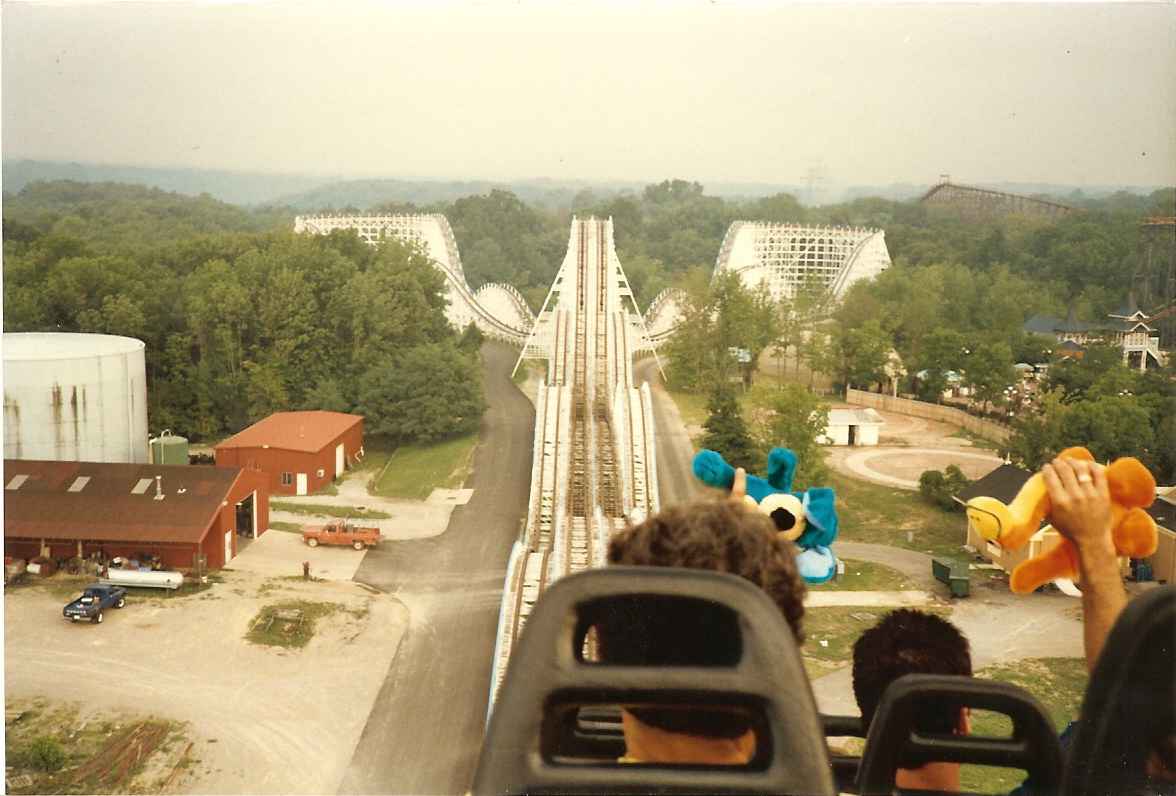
264, 719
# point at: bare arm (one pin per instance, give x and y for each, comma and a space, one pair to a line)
1081, 511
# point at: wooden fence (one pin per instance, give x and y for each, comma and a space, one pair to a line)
989, 430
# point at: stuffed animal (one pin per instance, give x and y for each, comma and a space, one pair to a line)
1132, 489
807, 518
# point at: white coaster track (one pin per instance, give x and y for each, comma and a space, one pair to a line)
594, 454
499, 311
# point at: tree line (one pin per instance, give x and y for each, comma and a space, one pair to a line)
956, 300
240, 316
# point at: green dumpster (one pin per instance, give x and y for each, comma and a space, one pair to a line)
953, 574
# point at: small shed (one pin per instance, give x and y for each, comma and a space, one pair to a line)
852, 427
300, 452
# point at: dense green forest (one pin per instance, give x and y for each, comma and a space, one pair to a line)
242, 317
956, 299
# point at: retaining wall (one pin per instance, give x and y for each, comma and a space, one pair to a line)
994, 432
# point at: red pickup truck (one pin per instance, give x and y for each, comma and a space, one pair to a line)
341, 533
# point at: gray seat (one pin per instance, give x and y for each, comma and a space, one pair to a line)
893, 742
549, 686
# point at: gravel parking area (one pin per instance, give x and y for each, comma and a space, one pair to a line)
264, 719
280, 554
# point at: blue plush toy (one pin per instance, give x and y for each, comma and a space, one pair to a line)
807, 518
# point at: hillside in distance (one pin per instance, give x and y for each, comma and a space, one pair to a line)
234, 187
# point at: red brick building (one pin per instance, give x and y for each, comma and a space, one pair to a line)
301, 452
65, 509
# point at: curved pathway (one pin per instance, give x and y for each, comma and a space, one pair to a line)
858, 462
425, 729
914, 565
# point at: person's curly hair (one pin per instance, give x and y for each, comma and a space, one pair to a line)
722, 537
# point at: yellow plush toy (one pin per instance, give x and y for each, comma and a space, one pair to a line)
1133, 531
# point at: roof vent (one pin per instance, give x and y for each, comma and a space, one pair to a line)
159, 487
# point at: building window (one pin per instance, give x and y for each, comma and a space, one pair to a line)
321, 472
287, 479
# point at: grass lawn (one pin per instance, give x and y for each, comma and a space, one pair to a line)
872, 513
527, 367
1058, 683
288, 527
413, 471
865, 576
325, 510
691, 406
978, 442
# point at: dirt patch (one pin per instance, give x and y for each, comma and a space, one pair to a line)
259, 718
911, 466
99, 751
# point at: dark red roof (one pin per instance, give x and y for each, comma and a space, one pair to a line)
41, 506
308, 432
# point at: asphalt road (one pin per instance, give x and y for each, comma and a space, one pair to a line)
425, 729
676, 482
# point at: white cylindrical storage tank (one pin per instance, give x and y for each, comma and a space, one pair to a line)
75, 397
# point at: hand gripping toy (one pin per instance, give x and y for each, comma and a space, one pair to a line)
1133, 532
807, 518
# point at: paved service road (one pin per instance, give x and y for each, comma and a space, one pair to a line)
676, 482
425, 729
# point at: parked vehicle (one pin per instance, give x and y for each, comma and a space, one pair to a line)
94, 600
341, 532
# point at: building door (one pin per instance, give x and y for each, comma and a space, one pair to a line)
247, 516
852, 435
301, 488
228, 546
339, 460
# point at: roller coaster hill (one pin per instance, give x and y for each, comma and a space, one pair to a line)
594, 460
594, 469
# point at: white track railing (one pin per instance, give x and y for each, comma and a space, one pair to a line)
586, 334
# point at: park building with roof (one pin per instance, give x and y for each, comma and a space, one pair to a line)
189, 516
300, 452
1126, 328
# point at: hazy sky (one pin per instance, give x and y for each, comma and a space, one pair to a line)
869, 94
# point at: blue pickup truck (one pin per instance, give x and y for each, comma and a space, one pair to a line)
94, 600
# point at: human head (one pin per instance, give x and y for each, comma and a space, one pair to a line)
720, 537
909, 642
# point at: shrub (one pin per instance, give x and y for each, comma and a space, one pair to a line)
940, 488
45, 754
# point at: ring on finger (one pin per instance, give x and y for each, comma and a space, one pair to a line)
1084, 478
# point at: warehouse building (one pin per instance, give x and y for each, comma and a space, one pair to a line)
178, 513
300, 452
